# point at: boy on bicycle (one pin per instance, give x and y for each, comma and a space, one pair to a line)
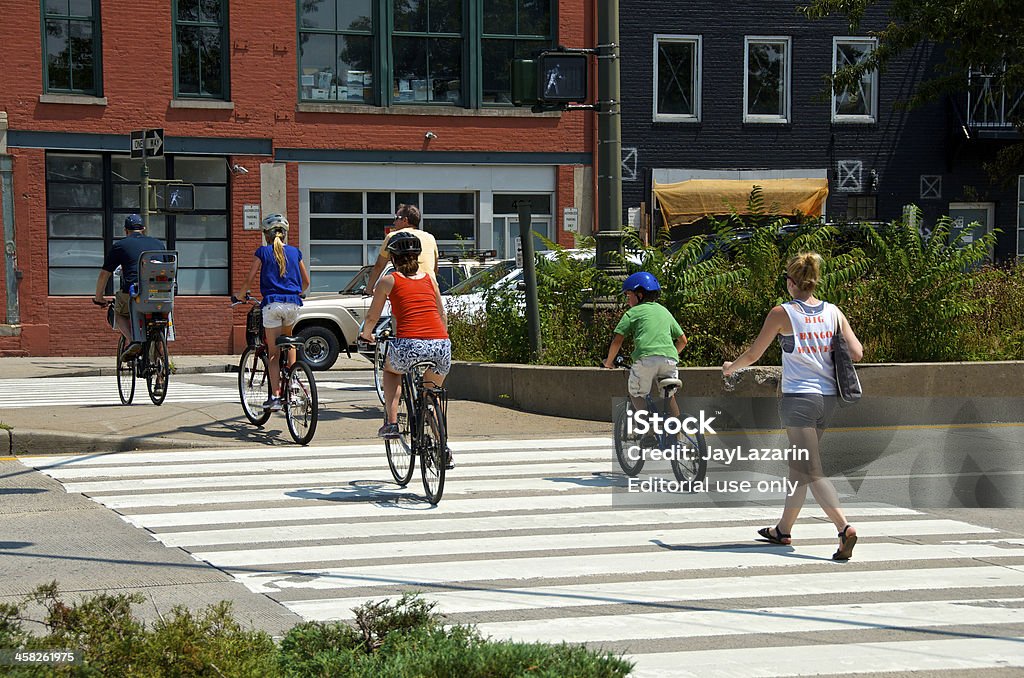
657, 339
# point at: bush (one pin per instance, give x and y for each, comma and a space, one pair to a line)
401, 638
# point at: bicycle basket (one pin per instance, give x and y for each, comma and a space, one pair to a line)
254, 326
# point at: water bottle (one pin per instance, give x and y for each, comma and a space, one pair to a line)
133, 289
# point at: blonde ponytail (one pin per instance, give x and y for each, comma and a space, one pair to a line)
279, 252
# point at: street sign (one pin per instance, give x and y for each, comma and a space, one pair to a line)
251, 217
519, 252
571, 219
148, 141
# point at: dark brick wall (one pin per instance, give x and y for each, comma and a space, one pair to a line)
901, 146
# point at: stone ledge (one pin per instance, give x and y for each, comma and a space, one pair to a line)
73, 99
10, 330
450, 111
203, 104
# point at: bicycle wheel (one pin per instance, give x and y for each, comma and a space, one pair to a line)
380, 355
694, 466
433, 449
125, 375
301, 409
401, 460
254, 385
627, 444
158, 373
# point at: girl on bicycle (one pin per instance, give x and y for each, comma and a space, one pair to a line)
422, 327
283, 281
805, 327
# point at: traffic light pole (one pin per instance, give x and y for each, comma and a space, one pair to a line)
609, 130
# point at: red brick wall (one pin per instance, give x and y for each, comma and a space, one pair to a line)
138, 85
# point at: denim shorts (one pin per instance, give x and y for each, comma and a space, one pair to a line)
806, 410
404, 353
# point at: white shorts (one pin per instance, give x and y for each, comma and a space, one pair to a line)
278, 313
644, 371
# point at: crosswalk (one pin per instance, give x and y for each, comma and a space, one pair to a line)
102, 390
537, 540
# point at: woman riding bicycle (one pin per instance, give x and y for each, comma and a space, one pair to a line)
283, 279
422, 328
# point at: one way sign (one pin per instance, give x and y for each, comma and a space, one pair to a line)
147, 141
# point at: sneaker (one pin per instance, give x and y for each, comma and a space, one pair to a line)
388, 432
132, 351
451, 458
273, 404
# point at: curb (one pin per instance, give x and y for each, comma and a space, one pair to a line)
112, 371
43, 443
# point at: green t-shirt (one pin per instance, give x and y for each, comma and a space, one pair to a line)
653, 329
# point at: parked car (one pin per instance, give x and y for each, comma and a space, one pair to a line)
329, 324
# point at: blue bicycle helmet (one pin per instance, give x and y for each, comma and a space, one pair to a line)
133, 222
641, 281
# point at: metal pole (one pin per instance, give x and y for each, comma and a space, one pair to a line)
10, 250
529, 275
144, 202
609, 131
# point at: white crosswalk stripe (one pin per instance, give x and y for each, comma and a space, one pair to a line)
536, 540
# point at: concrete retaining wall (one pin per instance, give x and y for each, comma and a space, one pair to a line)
894, 393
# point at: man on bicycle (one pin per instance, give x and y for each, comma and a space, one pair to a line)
407, 220
125, 253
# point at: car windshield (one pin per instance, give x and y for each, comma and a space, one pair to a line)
483, 279
358, 283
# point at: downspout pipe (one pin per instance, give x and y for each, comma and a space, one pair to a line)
10, 250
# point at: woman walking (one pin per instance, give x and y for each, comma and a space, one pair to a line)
805, 327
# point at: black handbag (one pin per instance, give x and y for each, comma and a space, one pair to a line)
847, 381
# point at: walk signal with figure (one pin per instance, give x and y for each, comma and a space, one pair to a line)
553, 78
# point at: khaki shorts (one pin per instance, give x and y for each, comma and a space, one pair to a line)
121, 303
644, 371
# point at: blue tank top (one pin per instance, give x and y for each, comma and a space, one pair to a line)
273, 286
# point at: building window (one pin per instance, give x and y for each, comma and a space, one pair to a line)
861, 208
512, 29
200, 48
346, 228
88, 197
71, 43
766, 85
861, 103
435, 52
677, 72
989, 103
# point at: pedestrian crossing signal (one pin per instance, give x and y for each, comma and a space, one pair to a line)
552, 78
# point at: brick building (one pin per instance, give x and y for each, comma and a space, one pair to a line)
713, 91
332, 111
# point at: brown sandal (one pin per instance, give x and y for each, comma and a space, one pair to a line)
846, 544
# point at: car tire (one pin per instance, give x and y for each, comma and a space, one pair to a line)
320, 348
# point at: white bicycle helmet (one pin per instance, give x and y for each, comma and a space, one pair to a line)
274, 222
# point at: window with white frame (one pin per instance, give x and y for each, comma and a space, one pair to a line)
859, 103
766, 82
677, 78
346, 228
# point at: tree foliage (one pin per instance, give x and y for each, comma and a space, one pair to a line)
984, 35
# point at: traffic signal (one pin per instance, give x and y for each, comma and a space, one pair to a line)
552, 78
562, 77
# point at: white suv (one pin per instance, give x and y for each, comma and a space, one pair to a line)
329, 323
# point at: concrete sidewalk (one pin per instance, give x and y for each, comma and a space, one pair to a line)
103, 428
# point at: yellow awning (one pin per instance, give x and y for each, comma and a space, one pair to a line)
688, 201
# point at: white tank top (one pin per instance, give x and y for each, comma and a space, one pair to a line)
808, 368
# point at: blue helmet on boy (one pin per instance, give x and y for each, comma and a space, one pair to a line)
641, 281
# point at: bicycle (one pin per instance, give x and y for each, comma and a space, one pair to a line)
152, 363
422, 428
380, 357
689, 464
298, 389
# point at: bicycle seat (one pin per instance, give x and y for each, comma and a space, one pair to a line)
670, 383
286, 340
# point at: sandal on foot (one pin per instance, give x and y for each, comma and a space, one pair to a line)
778, 538
846, 544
